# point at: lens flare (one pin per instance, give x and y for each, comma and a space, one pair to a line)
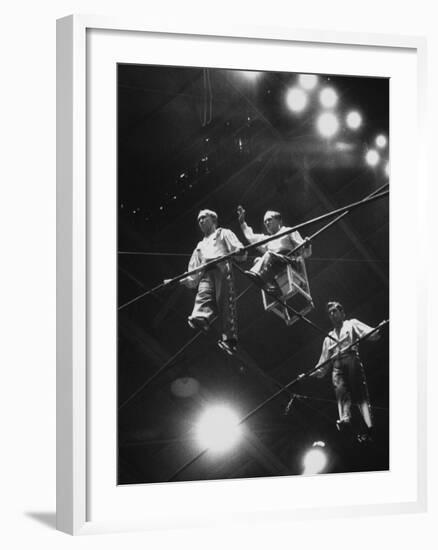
218, 429
327, 124
296, 100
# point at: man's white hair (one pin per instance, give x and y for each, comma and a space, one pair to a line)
207, 212
272, 214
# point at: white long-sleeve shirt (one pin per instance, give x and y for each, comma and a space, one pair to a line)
281, 245
219, 243
351, 330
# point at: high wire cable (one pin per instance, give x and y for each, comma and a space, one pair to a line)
188, 254
312, 370
282, 301
326, 400
377, 193
277, 393
194, 338
170, 360
337, 212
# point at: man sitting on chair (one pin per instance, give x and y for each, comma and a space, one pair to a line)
276, 253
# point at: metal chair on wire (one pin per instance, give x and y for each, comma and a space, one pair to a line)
295, 291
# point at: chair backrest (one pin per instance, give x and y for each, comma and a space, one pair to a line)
295, 290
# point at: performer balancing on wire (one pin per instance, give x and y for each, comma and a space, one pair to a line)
276, 253
348, 375
215, 285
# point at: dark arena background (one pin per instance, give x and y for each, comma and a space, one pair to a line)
193, 138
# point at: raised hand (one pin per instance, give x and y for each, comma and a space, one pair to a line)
241, 214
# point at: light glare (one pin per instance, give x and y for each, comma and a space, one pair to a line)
327, 125
296, 100
308, 81
372, 157
251, 76
381, 141
328, 98
314, 461
354, 120
218, 429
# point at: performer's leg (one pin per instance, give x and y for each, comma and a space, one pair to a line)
342, 392
205, 302
263, 265
360, 393
226, 302
265, 268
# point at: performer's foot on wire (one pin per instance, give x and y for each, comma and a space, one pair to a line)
343, 425
255, 277
229, 346
365, 438
198, 323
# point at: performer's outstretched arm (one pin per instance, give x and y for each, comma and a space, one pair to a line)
192, 280
363, 329
250, 236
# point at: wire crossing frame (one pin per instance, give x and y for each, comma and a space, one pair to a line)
72, 445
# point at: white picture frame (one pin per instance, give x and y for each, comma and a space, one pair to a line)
74, 339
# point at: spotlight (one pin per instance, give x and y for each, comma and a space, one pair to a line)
372, 157
328, 98
354, 120
327, 125
381, 141
308, 81
218, 429
315, 460
296, 100
387, 170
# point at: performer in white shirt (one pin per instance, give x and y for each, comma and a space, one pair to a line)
215, 285
348, 375
275, 253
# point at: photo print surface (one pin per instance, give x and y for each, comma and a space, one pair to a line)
253, 274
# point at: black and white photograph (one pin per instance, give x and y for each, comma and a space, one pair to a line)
252, 274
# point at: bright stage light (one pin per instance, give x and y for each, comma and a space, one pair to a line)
387, 169
381, 141
328, 98
296, 100
354, 120
372, 157
218, 428
327, 125
315, 460
308, 81
251, 76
